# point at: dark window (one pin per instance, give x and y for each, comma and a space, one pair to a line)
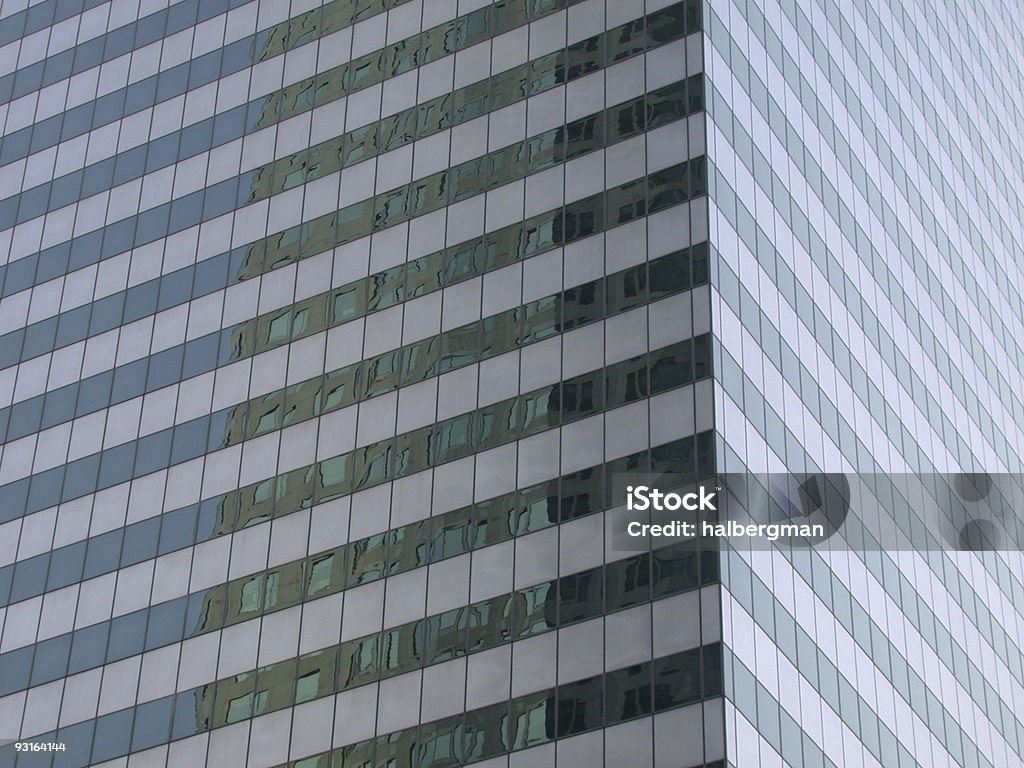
580, 706
677, 679
628, 693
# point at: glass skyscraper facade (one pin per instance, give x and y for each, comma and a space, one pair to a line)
325, 328
865, 223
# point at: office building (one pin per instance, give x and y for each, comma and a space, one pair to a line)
325, 329
864, 171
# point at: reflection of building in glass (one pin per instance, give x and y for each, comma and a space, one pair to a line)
443, 272
325, 329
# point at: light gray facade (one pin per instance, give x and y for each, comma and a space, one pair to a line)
865, 217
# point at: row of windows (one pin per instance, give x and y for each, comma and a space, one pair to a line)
439, 189
558, 145
633, 200
456, 633
837, 427
862, 384
102, 48
170, 83
539, 718
374, 464
643, 689
462, 105
889, 282
572, 308
40, 16
882, 566
324, 88
392, 552
824, 677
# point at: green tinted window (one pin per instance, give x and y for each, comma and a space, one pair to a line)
628, 582
580, 706
529, 721
357, 662
367, 559
450, 535
628, 693
581, 596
